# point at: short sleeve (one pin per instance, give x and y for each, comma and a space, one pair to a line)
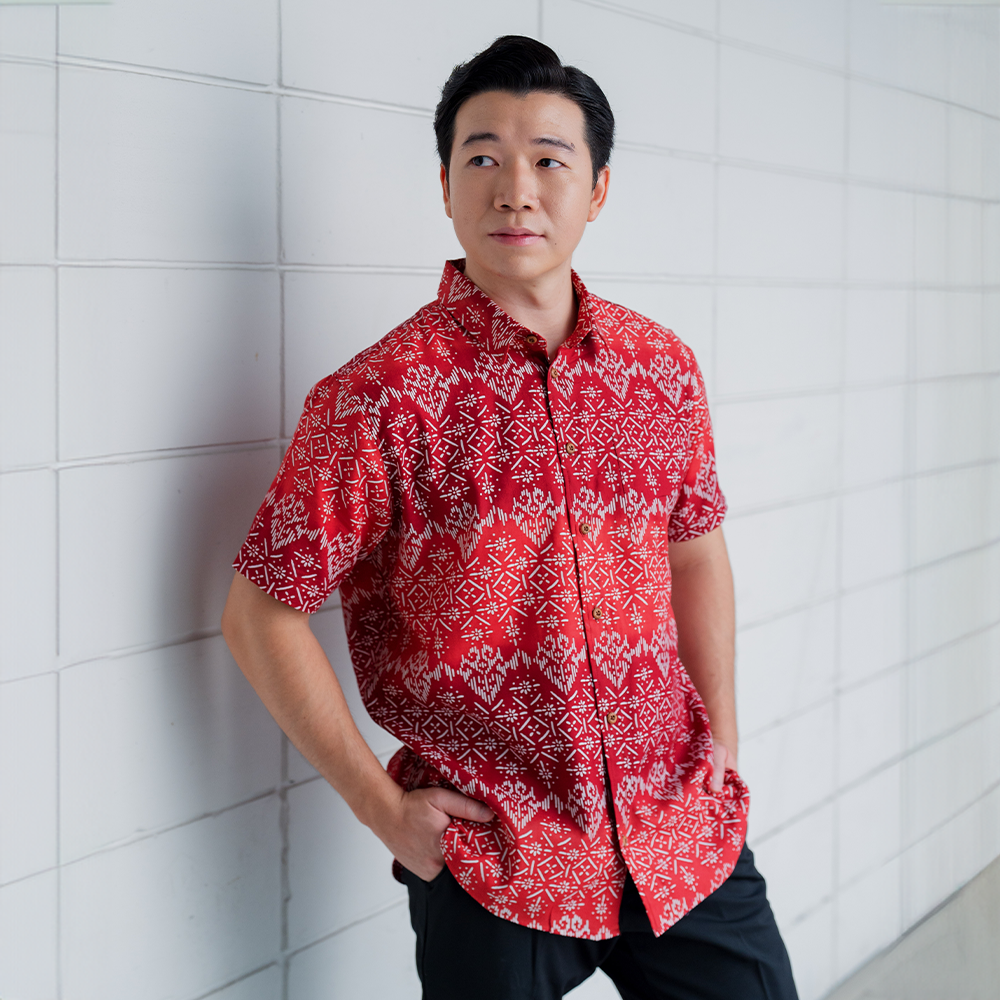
328, 507
700, 506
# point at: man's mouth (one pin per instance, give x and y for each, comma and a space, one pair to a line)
514, 237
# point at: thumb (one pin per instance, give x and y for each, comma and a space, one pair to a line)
461, 806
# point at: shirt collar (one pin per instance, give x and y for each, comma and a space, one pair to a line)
480, 316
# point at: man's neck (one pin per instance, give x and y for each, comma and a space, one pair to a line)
546, 304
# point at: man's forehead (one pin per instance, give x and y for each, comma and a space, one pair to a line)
528, 117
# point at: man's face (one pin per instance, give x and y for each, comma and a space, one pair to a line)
520, 184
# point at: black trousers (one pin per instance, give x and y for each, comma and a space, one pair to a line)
726, 948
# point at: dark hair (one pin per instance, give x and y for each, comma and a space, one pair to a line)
519, 65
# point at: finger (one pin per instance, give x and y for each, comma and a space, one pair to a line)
461, 806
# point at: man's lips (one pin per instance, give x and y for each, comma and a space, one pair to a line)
515, 237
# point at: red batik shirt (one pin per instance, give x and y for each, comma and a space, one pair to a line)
498, 528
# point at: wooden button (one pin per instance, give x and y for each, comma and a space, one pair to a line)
570, 447
585, 529
597, 612
612, 718
531, 339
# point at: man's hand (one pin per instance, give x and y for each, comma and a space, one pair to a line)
723, 758
412, 829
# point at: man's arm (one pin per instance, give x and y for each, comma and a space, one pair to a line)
704, 608
276, 649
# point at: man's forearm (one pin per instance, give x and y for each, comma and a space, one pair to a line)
704, 609
277, 651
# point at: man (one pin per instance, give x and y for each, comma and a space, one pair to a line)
515, 491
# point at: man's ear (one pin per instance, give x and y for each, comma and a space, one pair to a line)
445, 191
600, 193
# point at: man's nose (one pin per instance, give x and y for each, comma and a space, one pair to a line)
516, 191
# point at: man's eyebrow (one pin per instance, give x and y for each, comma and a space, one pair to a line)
481, 137
551, 140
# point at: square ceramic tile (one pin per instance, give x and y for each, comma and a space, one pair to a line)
28, 949
27, 163
785, 781
952, 599
212, 337
873, 541
156, 739
872, 630
951, 688
948, 329
167, 170
660, 82
28, 781
27, 366
991, 247
951, 423
657, 220
776, 226
798, 864
931, 239
357, 219
874, 435
235, 39
339, 872
810, 947
400, 54
815, 30
785, 665
965, 152
950, 512
869, 824
146, 548
341, 968
773, 339
782, 559
942, 780
880, 226
217, 890
28, 597
869, 726
331, 317
965, 242
775, 111
868, 917
28, 31
776, 450
876, 338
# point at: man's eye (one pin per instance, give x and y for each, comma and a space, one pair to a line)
548, 162
482, 161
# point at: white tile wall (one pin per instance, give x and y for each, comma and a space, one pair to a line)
337, 210
191, 357
774, 111
777, 226
29, 960
774, 339
27, 163
806, 191
369, 961
174, 915
28, 790
176, 733
169, 170
339, 872
662, 79
233, 39
146, 548
344, 48
27, 366
27, 592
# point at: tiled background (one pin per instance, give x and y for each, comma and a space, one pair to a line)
206, 205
